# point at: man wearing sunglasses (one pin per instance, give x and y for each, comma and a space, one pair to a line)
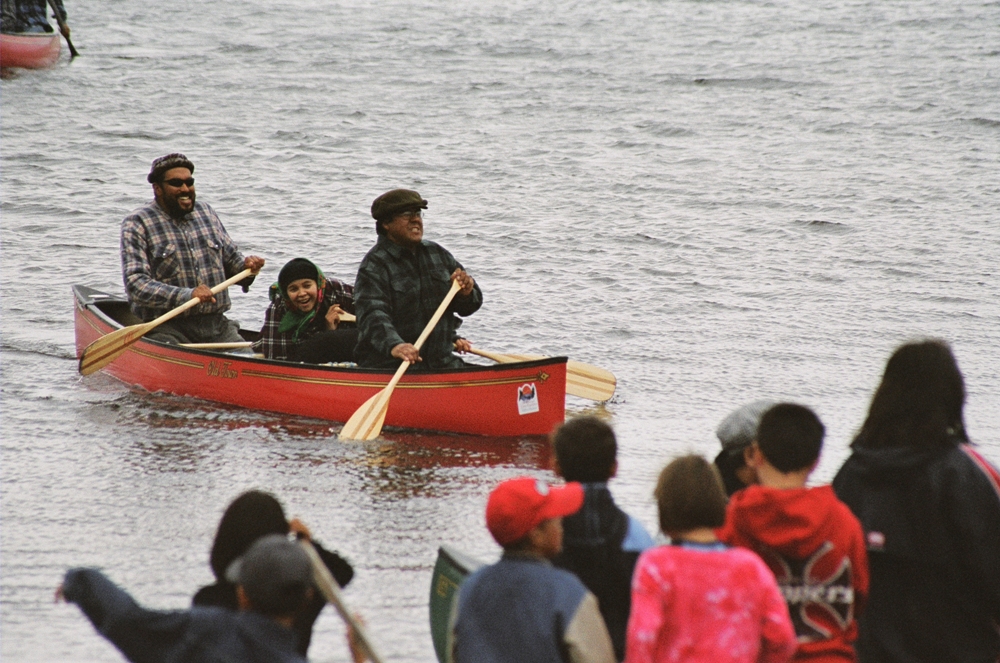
400, 284
175, 248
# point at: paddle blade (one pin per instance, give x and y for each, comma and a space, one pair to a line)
591, 382
106, 349
366, 422
583, 380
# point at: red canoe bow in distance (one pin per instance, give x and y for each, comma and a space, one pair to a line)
527, 398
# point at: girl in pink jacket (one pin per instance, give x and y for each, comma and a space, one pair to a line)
698, 599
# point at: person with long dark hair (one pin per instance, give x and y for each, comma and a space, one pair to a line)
253, 515
929, 504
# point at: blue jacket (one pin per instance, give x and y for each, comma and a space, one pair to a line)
523, 610
198, 635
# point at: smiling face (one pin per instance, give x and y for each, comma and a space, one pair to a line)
175, 192
406, 228
303, 294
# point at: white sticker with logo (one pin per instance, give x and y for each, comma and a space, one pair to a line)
527, 399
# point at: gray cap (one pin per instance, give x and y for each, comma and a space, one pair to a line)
739, 428
275, 573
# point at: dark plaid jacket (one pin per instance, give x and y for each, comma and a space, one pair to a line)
397, 292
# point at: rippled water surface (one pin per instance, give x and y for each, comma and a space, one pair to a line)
718, 201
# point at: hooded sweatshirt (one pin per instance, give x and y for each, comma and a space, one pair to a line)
932, 524
815, 547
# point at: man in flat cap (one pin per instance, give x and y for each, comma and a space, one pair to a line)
175, 248
400, 284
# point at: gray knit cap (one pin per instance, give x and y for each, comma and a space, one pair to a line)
739, 428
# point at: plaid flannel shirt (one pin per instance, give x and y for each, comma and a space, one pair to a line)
275, 344
397, 292
164, 260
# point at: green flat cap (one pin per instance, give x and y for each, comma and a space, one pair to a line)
393, 202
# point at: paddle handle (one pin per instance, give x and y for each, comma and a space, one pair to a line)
387, 391
438, 313
194, 301
62, 28
328, 585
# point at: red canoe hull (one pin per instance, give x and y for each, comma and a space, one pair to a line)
29, 50
488, 400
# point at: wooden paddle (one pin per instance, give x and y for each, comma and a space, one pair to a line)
106, 349
366, 422
63, 28
583, 380
326, 583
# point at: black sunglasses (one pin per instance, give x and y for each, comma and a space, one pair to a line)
178, 182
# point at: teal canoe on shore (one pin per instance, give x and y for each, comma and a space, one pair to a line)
451, 569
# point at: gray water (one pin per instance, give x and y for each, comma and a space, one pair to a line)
717, 201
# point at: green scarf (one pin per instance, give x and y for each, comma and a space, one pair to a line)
294, 320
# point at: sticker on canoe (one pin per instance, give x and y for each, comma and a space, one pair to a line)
527, 399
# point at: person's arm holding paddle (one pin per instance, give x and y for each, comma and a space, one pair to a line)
408, 352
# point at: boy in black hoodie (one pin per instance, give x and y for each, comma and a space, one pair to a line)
601, 543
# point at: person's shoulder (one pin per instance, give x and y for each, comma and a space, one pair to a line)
378, 253
748, 559
433, 247
827, 494
637, 538
145, 213
205, 211
972, 469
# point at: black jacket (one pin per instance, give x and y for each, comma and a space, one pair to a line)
932, 527
601, 544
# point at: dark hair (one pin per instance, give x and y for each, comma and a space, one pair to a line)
728, 463
919, 402
250, 516
689, 495
586, 449
286, 601
790, 436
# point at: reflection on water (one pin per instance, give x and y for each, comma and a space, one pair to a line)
408, 465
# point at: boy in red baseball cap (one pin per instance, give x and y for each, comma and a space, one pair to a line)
522, 609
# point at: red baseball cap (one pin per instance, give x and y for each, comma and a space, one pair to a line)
518, 506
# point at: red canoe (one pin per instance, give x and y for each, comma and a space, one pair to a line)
527, 398
29, 50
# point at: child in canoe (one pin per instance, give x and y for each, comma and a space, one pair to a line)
698, 600
302, 322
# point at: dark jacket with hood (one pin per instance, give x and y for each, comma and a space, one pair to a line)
815, 547
932, 525
601, 544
